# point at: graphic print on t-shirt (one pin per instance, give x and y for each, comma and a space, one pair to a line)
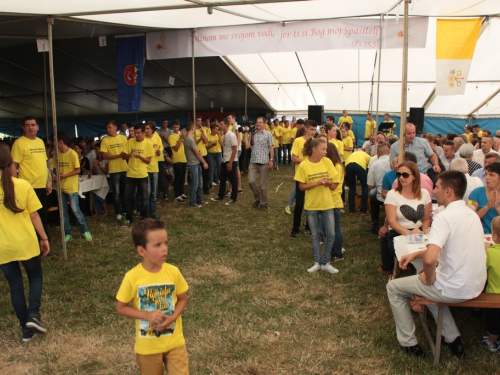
413, 215
156, 297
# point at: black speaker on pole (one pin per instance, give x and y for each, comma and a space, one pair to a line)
417, 118
315, 112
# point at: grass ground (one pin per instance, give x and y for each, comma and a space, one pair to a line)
253, 309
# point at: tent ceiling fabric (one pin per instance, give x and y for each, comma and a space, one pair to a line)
337, 79
85, 82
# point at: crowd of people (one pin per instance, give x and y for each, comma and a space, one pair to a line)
142, 162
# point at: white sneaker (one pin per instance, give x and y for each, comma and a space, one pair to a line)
329, 268
314, 268
343, 250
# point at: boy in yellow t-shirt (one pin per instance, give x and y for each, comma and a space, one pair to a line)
348, 145
286, 134
493, 286
69, 168
214, 148
154, 294
153, 167
179, 161
141, 152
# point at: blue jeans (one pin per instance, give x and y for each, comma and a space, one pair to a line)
280, 150
12, 272
329, 227
339, 236
117, 181
152, 191
142, 187
75, 208
353, 170
214, 159
275, 159
287, 154
292, 197
196, 193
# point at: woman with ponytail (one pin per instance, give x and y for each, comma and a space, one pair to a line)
19, 244
315, 175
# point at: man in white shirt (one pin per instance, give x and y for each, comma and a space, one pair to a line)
472, 182
486, 146
375, 177
454, 266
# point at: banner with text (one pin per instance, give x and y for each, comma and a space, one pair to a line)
295, 36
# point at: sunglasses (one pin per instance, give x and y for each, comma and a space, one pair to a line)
404, 174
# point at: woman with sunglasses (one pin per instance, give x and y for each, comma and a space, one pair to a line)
316, 176
18, 221
407, 209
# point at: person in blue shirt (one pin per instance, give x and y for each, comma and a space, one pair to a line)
486, 199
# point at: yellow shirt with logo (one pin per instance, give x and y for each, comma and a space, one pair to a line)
370, 128
319, 197
17, 234
136, 167
337, 193
156, 142
347, 142
215, 140
148, 291
68, 162
345, 119
286, 133
359, 157
32, 160
201, 145
115, 146
339, 145
178, 156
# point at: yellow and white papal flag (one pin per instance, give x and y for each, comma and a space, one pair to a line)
455, 44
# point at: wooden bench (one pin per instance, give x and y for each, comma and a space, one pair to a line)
484, 301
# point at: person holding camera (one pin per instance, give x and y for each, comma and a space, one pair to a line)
261, 161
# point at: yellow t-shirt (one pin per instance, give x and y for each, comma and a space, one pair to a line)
492, 266
319, 197
297, 146
214, 139
347, 142
156, 142
148, 291
17, 234
276, 137
480, 134
370, 127
294, 133
200, 145
136, 167
286, 133
339, 145
32, 160
351, 134
345, 119
267, 128
178, 156
68, 162
468, 136
230, 128
337, 193
359, 157
115, 146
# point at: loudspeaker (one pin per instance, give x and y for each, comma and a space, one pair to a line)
315, 112
417, 118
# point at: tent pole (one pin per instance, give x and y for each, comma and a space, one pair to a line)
379, 63
45, 113
404, 85
246, 100
193, 74
50, 22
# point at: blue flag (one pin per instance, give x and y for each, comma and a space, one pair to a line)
129, 72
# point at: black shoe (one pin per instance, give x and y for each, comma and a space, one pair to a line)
415, 350
256, 204
34, 324
456, 347
263, 207
28, 334
336, 258
293, 235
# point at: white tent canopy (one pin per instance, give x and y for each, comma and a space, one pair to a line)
337, 79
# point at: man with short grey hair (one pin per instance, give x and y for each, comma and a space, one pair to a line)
486, 147
465, 152
460, 165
